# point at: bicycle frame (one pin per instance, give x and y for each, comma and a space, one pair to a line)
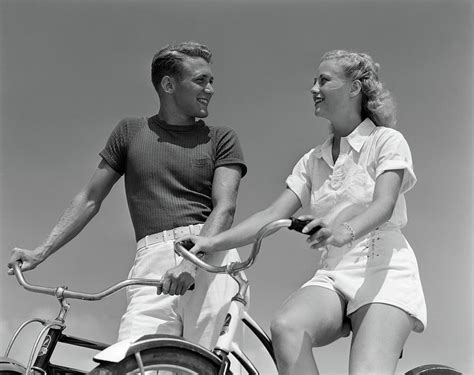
226, 344
52, 332
48, 338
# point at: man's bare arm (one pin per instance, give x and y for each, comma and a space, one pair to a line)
83, 208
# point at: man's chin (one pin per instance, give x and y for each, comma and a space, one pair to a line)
202, 114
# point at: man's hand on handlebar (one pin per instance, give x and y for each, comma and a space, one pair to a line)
177, 280
29, 259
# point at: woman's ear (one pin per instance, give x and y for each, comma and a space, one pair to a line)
167, 84
356, 87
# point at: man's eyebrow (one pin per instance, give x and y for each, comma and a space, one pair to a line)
204, 75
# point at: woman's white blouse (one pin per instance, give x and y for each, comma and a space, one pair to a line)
333, 188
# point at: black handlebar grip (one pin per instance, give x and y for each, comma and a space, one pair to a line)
298, 225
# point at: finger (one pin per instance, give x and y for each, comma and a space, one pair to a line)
313, 224
305, 217
23, 266
15, 257
166, 283
183, 288
320, 235
174, 284
187, 238
319, 245
159, 288
189, 283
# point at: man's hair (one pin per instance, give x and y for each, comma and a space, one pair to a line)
169, 60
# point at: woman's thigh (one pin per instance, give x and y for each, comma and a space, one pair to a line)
315, 310
379, 333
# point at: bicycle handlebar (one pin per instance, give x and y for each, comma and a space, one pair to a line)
63, 292
291, 223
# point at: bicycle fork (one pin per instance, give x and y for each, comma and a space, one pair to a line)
237, 313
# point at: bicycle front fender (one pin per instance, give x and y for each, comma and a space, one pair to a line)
9, 365
114, 353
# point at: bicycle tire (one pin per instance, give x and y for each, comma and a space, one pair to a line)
180, 360
433, 369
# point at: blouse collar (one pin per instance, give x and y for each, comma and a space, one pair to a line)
356, 138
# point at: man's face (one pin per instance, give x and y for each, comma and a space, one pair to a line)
193, 90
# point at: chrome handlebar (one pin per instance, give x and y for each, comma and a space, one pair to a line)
236, 266
63, 292
231, 268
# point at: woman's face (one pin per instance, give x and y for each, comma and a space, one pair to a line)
331, 90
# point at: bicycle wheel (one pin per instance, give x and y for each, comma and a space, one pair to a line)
162, 361
433, 370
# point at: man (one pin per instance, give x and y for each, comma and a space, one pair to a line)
181, 177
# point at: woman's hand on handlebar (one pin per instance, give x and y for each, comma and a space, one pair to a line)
202, 245
29, 259
327, 235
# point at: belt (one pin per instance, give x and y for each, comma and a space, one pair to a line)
169, 235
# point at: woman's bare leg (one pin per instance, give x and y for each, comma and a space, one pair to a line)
312, 316
379, 333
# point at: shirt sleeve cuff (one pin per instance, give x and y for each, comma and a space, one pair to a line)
299, 189
409, 178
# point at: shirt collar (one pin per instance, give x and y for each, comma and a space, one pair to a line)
356, 139
359, 135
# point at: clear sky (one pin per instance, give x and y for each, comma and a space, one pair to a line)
70, 70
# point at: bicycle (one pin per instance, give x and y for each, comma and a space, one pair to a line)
164, 352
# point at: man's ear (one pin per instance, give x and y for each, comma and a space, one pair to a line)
167, 84
356, 87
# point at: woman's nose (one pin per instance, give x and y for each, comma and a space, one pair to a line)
315, 88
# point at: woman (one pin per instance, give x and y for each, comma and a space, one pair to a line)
354, 184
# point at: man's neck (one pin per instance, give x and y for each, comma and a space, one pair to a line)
173, 118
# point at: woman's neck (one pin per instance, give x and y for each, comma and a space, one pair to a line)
345, 126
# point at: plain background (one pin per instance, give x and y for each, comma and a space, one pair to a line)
70, 70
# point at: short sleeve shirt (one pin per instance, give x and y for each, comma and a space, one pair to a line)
333, 189
169, 169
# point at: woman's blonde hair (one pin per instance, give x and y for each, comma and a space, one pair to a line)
377, 102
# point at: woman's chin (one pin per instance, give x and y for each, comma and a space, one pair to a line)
318, 113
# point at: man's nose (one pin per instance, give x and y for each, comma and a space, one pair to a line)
209, 89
